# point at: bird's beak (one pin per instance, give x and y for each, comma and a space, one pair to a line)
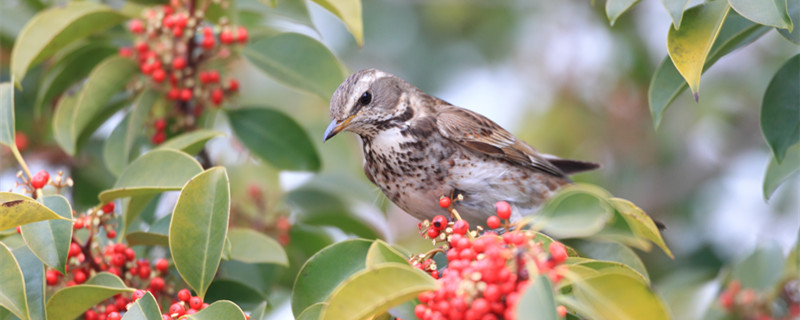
335, 127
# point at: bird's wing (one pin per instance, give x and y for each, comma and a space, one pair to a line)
478, 133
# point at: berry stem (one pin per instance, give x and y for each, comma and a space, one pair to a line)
87, 251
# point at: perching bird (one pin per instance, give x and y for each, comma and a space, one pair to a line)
418, 148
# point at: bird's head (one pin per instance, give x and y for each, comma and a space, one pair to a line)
364, 100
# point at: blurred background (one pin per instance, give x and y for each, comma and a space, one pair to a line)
559, 77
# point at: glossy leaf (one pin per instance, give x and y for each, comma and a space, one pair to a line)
617, 296
317, 207
538, 301
770, 12
113, 156
251, 246
576, 211
689, 46
199, 226
117, 149
780, 109
762, 269
323, 272
358, 297
222, 309
381, 252
53, 29
794, 14
70, 302
156, 235
133, 207
297, 61
190, 142
583, 268
615, 253
146, 308
240, 293
667, 82
154, 172
18, 210
68, 70
675, 10
12, 292
274, 137
615, 8
313, 312
7, 130
259, 312
640, 223
49, 240
349, 11
33, 273
777, 173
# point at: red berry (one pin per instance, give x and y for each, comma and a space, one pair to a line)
113, 316
118, 260
108, 207
173, 93
130, 255
115, 271
21, 141
137, 294
111, 308
226, 36
158, 137
558, 252
208, 42
493, 222
125, 52
216, 96
90, 315
144, 272
208, 32
169, 21
142, 47
179, 63
162, 265
186, 94
184, 295
159, 75
213, 76
160, 124
111, 234
40, 179
176, 308
196, 303
233, 85
52, 277
241, 35
444, 202
503, 210
439, 222
78, 224
562, 311
180, 20
433, 233
136, 26
74, 249
460, 227
19, 229
157, 284
165, 317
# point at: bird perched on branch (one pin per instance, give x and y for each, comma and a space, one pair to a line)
418, 148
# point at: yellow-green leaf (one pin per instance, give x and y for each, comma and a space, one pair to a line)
313, 312
769, 12
620, 297
146, 308
576, 211
615, 8
49, 240
70, 302
350, 13
7, 114
374, 290
17, 210
154, 172
381, 252
250, 246
199, 226
190, 142
12, 292
689, 46
53, 29
777, 173
222, 309
640, 223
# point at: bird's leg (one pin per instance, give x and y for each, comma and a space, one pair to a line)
451, 207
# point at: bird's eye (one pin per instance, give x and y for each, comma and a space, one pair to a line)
366, 98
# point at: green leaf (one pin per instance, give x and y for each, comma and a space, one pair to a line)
118, 147
297, 61
55, 28
7, 130
49, 240
667, 82
222, 309
199, 226
538, 301
70, 302
143, 238
769, 12
780, 110
617, 296
576, 211
260, 311
321, 208
73, 66
358, 297
19, 210
33, 273
675, 10
105, 81
615, 8
313, 312
325, 270
615, 252
381, 252
133, 207
154, 172
190, 142
762, 269
146, 308
583, 268
113, 156
12, 292
274, 137
250, 246
640, 223
794, 13
349, 11
689, 47
778, 173
242, 294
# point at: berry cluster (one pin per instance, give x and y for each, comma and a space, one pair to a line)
486, 273
173, 45
42, 179
749, 304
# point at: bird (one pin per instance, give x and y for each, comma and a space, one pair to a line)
418, 148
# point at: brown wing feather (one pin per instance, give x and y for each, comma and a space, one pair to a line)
477, 132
